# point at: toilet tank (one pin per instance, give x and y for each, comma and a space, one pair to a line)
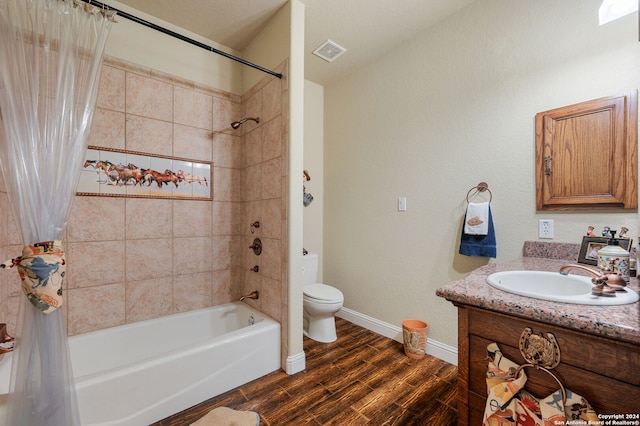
309, 268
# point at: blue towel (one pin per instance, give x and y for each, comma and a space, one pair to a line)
479, 245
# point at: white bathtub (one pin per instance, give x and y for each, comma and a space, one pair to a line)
142, 372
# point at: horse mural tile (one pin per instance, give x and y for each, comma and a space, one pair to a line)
111, 172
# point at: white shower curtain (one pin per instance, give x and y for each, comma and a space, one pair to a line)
50, 60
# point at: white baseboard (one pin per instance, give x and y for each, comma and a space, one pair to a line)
439, 350
296, 363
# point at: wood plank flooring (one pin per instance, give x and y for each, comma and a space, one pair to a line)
361, 379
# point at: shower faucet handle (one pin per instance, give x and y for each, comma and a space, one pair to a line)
256, 246
254, 225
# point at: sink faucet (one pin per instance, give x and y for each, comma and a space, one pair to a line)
605, 282
255, 295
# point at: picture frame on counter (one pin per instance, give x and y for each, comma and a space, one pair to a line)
591, 245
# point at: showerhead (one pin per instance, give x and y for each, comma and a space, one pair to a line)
237, 124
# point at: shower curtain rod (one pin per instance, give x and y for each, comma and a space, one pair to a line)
180, 37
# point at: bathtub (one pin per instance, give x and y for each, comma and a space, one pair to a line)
139, 373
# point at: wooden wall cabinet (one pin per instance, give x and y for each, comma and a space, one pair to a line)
587, 155
602, 370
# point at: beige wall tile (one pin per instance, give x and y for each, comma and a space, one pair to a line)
225, 111
95, 308
227, 184
148, 299
221, 252
271, 177
149, 97
238, 249
193, 143
152, 258
271, 259
222, 220
192, 218
108, 129
149, 135
96, 219
271, 100
192, 255
111, 92
95, 263
149, 218
253, 146
192, 291
253, 188
272, 135
253, 108
222, 288
228, 151
272, 218
192, 108
272, 304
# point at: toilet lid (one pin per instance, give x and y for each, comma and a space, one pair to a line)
323, 293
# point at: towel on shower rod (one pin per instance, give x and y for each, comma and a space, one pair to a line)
479, 245
224, 416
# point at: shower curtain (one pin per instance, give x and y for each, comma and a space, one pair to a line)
50, 60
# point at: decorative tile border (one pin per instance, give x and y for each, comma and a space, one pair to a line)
119, 173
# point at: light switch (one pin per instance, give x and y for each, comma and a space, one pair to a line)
402, 204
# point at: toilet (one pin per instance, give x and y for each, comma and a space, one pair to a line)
320, 303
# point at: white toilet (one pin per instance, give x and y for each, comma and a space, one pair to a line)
320, 303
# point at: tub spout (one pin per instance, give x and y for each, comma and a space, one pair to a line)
253, 295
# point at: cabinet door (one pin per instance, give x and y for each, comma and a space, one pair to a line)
587, 155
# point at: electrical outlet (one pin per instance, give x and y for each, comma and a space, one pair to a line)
545, 228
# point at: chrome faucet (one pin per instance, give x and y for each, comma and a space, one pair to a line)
255, 295
605, 282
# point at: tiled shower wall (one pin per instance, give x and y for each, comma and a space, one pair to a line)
131, 259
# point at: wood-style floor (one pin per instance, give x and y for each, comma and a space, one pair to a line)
361, 379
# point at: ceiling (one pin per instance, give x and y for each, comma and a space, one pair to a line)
366, 28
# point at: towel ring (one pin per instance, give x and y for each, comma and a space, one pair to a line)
539, 367
481, 187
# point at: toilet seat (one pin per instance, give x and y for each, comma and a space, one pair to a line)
322, 293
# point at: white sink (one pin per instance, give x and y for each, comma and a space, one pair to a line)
556, 287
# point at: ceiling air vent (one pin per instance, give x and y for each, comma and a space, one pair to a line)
329, 51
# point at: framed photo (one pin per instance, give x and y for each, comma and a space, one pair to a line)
117, 173
591, 245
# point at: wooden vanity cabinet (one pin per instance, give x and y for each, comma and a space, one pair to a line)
587, 155
604, 371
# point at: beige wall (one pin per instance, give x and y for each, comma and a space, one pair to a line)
138, 44
270, 47
435, 116
314, 163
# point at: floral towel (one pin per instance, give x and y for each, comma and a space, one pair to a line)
508, 403
41, 268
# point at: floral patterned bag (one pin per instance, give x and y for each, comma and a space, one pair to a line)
508, 403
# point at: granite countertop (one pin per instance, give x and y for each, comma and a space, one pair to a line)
619, 322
